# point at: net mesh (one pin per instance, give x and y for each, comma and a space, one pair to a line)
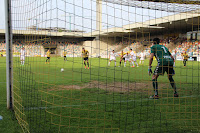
55, 90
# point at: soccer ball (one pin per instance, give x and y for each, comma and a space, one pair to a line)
62, 70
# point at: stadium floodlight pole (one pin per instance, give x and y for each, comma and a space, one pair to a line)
8, 35
70, 23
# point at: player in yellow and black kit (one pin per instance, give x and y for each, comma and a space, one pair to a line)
65, 53
48, 56
185, 58
85, 55
122, 58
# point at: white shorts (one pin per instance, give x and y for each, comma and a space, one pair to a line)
22, 57
142, 58
134, 59
127, 59
112, 58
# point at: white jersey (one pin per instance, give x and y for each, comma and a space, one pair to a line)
112, 56
142, 56
22, 53
127, 57
133, 56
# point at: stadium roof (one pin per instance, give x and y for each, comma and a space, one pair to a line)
181, 21
162, 5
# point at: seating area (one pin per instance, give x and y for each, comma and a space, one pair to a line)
73, 49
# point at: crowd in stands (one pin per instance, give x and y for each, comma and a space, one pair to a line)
73, 48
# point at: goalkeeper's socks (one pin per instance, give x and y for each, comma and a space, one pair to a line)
155, 86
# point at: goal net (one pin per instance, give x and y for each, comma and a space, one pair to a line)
82, 65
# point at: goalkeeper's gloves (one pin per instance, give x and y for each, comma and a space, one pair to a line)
149, 70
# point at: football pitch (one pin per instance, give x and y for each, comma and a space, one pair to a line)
100, 99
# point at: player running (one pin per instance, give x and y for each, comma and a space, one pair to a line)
127, 57
65, 57
133, 58
142, 55
22, 56
85, 55
122, 58
48, 57
185, 58
112, 56
165, 64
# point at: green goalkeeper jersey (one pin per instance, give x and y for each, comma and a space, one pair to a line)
162, 55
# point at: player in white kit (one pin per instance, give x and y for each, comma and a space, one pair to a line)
174, 55
127, 58
142, 55
112, 56
22, 55
133, 58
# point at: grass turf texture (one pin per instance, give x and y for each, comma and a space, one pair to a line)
48, 102
9, 123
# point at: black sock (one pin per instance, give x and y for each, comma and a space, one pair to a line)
88, 64
155, 86
173, 84
84, 63
120, 63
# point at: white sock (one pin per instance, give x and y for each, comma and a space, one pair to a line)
21, 62
133, 63
136, 63
174, 63
124, 63
140, 62
108, 63
115, 63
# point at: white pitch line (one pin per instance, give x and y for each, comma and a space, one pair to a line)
146, 99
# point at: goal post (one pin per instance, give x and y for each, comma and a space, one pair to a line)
9, 69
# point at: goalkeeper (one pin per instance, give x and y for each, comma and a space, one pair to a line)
165, 64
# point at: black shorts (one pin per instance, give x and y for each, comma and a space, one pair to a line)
160, 70
64, 56
185, 60
48, 57
123, 58
86, 58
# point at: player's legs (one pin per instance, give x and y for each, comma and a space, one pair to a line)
160, 70
87, 62
155, 84
109, 62
120, 62
141, 61
125, 63
134, 60
48, 59
130, 62
133, 63
184, 62
170, 73
136, 63
115, 62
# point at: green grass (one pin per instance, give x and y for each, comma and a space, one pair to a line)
9, 124
48, 102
